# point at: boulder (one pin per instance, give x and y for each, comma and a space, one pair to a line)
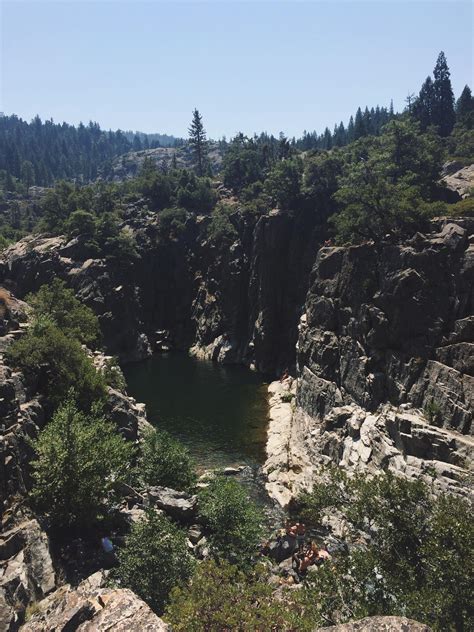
93, 608
178, 505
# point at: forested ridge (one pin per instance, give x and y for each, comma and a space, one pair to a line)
42, 152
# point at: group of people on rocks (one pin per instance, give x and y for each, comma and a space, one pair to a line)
292, 542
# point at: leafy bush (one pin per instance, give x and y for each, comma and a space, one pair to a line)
165, 461
154, 560
463, 208
221, 229
417, 563
172, 221
432, 411
232, 518
79, 458
58, 363
283, 184
221, 597
388, 184
58, 303
81, 222
197, 196
113, 375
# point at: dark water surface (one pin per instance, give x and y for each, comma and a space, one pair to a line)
219, 412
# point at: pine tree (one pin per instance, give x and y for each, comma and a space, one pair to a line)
359, 126
465, 107
443, 106
424, 104
198, 142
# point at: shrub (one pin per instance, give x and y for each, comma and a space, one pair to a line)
172, 221
221, 229
58, 303
79, 458
232, 518
432, 411
154, 560
418, 561
113, 375
58, 362
81, 222
287, 398
165, 461
221, 597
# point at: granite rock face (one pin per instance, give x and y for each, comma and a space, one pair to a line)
92, 607
233, 303
385, 376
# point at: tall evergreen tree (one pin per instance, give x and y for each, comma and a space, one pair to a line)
423, 106
465, 108
198, 142
443, 107
359, 125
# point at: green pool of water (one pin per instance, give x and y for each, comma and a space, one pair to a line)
219, 412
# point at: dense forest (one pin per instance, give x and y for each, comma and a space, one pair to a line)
40, 153
382, 176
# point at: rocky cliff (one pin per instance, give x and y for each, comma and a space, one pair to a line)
238, 302
385, 363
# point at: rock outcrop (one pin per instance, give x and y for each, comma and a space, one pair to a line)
458, 177
91, 607
385, 375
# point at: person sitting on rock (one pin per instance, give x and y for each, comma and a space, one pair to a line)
308, 558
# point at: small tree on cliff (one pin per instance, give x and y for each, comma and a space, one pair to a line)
198, 142
79, 459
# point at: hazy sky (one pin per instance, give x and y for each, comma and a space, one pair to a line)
247, 66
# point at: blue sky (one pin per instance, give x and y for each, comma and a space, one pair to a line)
248, 66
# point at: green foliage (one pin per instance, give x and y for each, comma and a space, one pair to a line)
221, 597
195, 194
463, 208
432, 411
165, 461
79, 459
232, 518
81, 223
113, 375
154, 560
329, 493
172, 222
417, 563
58, 362
57, 302
287, 398
465, 108
435, 103
387, 184
461, 144
198, 142
156, 186
243, 163
283, 184
221, 230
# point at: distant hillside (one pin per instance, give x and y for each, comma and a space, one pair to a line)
128, 165
141, 140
